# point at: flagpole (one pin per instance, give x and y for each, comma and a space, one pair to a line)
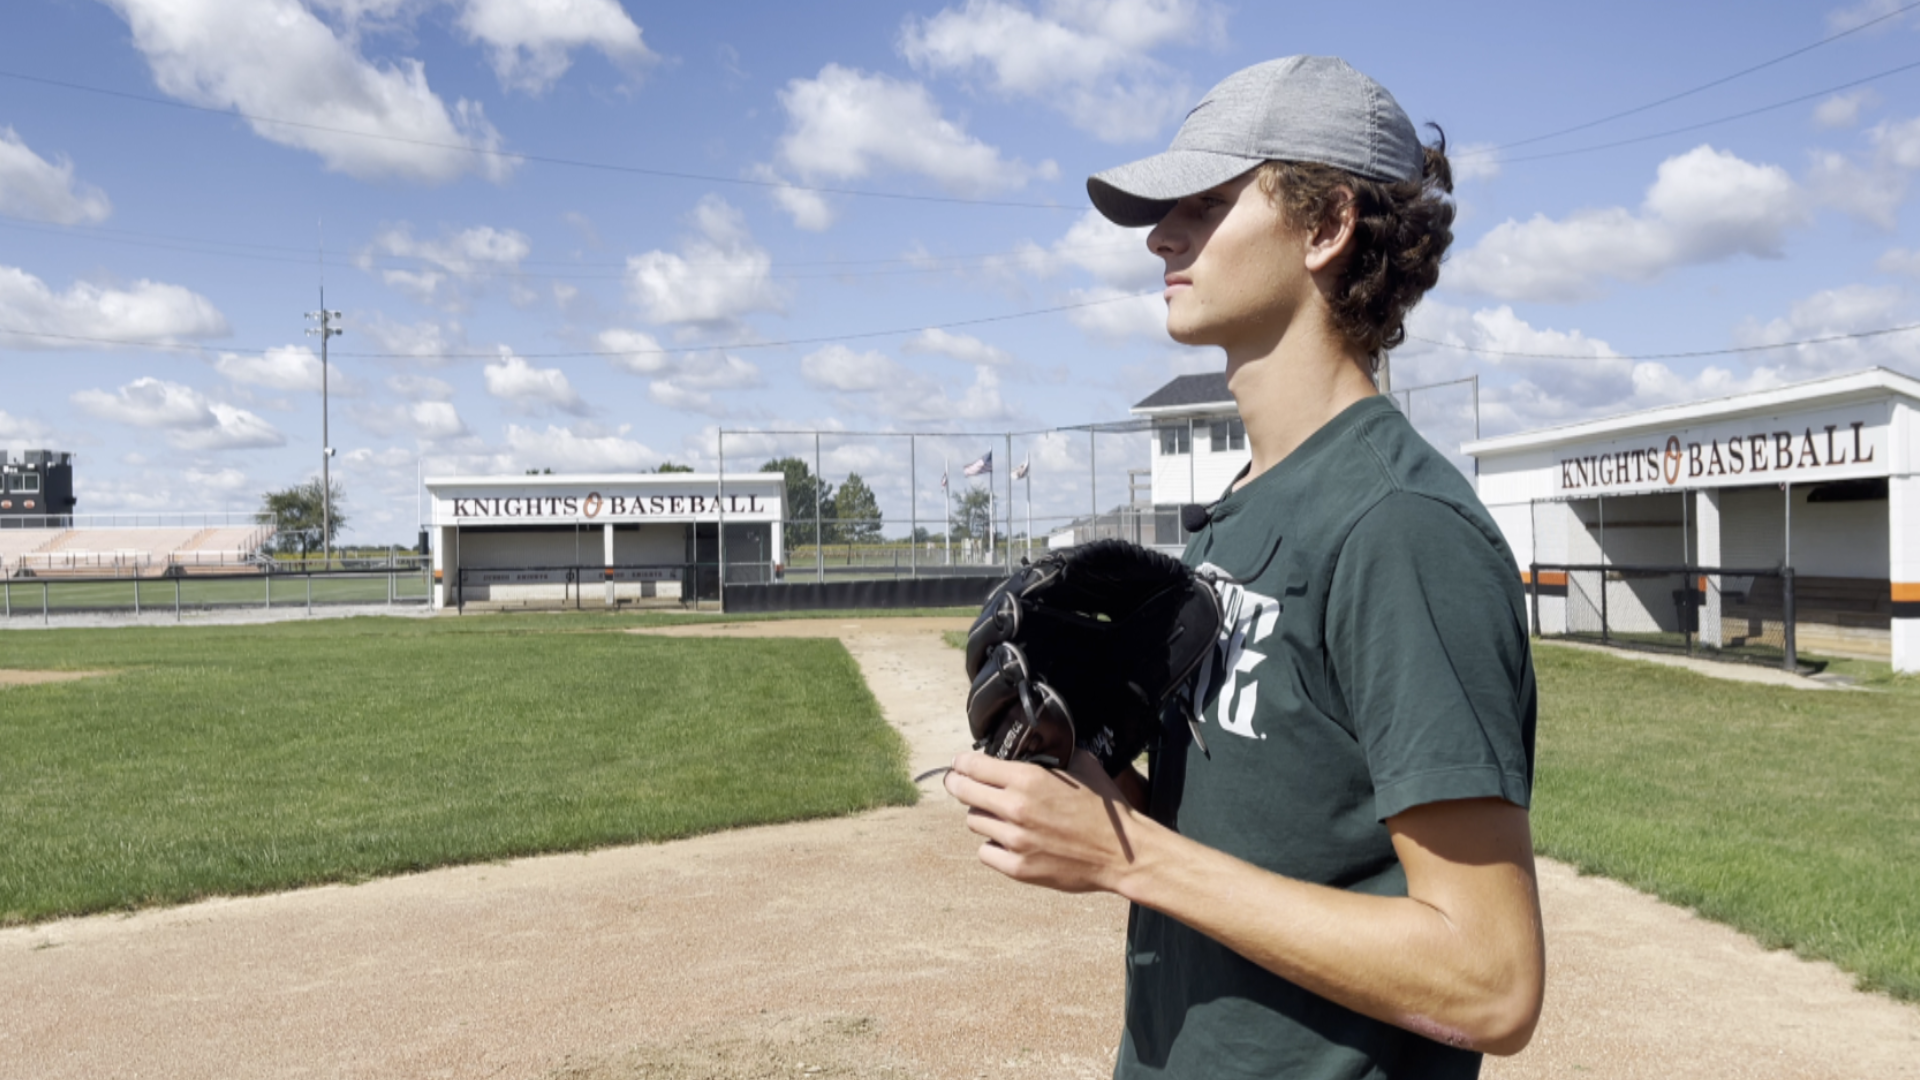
946, 500
992, 513
1029, 479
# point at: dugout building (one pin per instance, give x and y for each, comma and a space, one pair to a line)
612, 539
1725, 520
1809, 491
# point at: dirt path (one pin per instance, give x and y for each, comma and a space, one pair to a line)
19, 677
868, 947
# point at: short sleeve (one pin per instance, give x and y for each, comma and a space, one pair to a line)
1428, 648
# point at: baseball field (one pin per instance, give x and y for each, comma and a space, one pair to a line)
146, 767
230, 760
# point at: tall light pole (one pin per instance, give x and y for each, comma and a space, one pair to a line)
326, 332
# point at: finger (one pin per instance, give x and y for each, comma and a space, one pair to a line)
991, 770
976, 795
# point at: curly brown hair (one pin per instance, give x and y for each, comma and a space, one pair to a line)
1401, 233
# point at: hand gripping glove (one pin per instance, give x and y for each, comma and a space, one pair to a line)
1086, 647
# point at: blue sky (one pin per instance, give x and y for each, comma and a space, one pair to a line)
587, 313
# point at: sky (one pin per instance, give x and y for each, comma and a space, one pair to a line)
588, 235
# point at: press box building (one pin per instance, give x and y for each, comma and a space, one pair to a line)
610, 538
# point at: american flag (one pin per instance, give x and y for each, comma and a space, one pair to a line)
1020, 470
984, 465
943, 478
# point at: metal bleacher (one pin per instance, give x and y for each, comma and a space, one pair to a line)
132, 552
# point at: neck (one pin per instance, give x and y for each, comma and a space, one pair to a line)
1292, 389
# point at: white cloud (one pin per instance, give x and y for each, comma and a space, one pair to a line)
420, 387
1846, 18
146, 312
22, 429
961, 347
671, 395
33, 187
837, 367
1088, 59
518, 382
576, 452
877, 385
1117, 314
435, 420
530, 43
1116, 256
226, 481
430, 421
718, 371
1567, 375
1899, 261
1705, 206
1873, 186
1473, 161
690, 386
275, 60
845, 124
720, 275
287, 367
191, 421
465, 256
1843, 110
1849, 309
808, 209
428, 342
637, 352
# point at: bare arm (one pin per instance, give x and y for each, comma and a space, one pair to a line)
1460, 959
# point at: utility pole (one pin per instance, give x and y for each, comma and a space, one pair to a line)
326, 332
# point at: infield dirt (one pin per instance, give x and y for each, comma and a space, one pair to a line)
873, 946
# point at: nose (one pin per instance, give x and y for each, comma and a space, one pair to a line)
1166, 239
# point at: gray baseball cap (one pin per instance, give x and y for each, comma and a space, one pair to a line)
1300, 108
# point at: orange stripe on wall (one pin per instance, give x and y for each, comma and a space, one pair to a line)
1549, 577
1906, 592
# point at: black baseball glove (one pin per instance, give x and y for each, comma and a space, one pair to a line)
1086, 647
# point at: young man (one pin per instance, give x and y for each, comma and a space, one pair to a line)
1341, 882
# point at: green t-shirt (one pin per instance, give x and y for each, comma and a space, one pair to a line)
1374, 658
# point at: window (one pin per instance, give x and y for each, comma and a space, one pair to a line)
1228, 435
23, 482
1176, 440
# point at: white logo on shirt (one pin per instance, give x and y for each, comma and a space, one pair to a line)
1247, 618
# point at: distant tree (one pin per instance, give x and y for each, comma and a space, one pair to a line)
806, 493
296, 514
858, 512
668, 466
921, 535
539, 472
973, 513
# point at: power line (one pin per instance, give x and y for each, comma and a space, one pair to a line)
1695, 90
861, 335
1693, 354
1711, 123
538, 159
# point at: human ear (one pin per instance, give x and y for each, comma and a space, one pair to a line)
1333, 236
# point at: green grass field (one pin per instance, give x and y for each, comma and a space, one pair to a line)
221, 760
1791, 815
